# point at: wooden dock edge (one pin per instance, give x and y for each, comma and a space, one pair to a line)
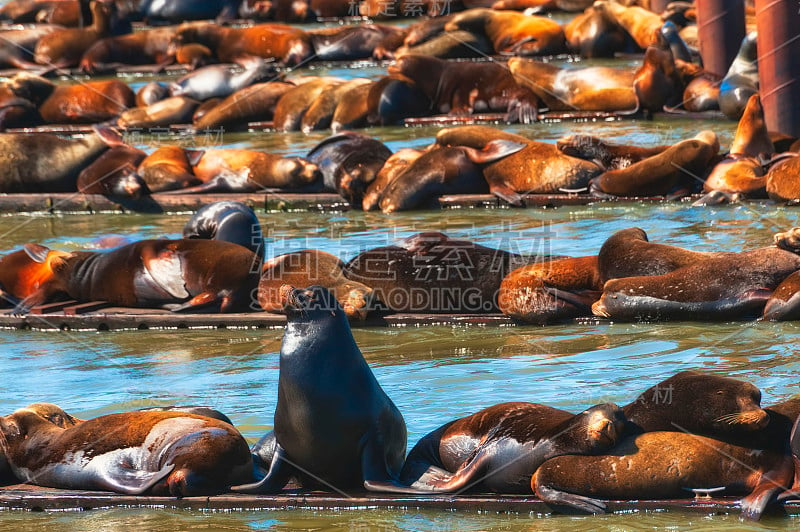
34, 498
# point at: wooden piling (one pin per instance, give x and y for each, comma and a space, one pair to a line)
720, 28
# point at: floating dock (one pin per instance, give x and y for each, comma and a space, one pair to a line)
34, 498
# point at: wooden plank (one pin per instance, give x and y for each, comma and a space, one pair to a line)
499, 118
52, 307
26, 497
83, 308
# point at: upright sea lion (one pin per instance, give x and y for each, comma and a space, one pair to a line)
742, 170
538, 168
182, 274
313, 407
229, 221
41, 162
349, 162
578, 89
465, 88
88, 102
657, 82
510, 31
741, 80
499, 448
315, 267
64, 48
432, 273
161, 453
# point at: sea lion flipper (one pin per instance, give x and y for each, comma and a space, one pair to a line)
506, 193
36, 252
120, 477
200, 300
754, 504
493, 151
280, 470
564, 501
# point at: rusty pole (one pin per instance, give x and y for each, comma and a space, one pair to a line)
720, 29
658, 6
778, 26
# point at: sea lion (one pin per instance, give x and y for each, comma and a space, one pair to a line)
742, 170
657, 82
781, 180
148, 47
239, 170
578, 89
151, 93
313, 407
741, 80
352, 111
450, 45
230, 45
596, 33
161, 453
294, 103
319, 114
441, 171
395, 165
17, 45
64, 48
606, 154
466, 88
348, 163
346, 43
42, 162
88, 102
313, 267
544, 6
114, 174
432, 273
727, 286
510, 31
180, 274
179, 10
169, 168
250, 104
215, 81
664, 465
678, 166
391, 100
643, 25
499, 448
229, 221
538, 168
163, 113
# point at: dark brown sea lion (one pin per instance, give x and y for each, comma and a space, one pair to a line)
465, 88
349, 162
41, 162
114, 174
539, 168
510, 31
441, 171
163, 113
579, 89
169, 168
680, 165
181, 274
251, 104
324, 385
664, 465
229, 221
432, 273
596, 33
149, 47
88, 102
727, 286
606, 154
499, 448
285, 43
312, 267
161, 453
64, 48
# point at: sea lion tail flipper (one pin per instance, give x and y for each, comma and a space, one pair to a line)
36, 252
225, 181
506, 193
280, 470
754, 504
109, 135
120, 477
193, 156
203, 299
569, 502
493, 151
